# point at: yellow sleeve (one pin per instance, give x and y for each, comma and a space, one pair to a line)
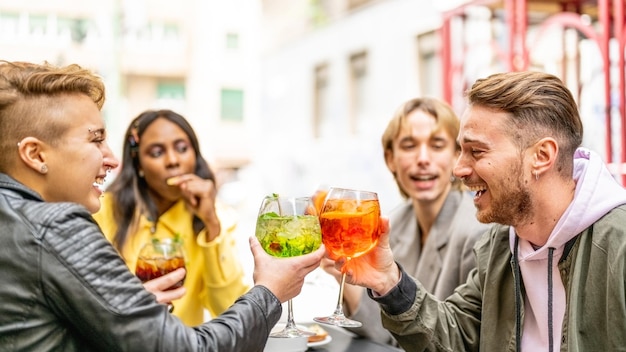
104, 217
224, 274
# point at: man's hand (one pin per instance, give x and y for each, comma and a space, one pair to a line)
375, 269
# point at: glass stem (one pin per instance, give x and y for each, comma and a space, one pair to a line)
291, 324
339, 310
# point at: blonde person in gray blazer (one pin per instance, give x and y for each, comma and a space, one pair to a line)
433, 231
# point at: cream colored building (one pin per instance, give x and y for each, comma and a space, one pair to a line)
199, 58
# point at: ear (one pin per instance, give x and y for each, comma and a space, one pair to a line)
31, 151
389, 161
545, 152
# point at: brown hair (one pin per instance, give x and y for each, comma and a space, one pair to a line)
443, 114
538, 105
27, 97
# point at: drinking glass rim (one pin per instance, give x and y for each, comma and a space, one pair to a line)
351, 190
302, 198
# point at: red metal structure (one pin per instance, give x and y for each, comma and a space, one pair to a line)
602, 22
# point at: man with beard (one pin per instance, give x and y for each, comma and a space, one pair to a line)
434, 229
552, 275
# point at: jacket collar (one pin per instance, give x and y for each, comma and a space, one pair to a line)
7, 183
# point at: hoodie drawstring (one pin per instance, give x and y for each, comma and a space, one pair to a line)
518, 297
550, 298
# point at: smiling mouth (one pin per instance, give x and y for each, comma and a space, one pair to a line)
480, 190
423, 178
99, 183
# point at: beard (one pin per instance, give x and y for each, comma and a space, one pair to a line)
513, 206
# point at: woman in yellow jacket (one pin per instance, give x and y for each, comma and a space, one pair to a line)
166, 190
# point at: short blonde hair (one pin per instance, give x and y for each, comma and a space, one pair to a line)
27, 93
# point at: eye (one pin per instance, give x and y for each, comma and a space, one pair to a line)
99, 136
155, 152
438, 145
476, 152
181, 147
407, 145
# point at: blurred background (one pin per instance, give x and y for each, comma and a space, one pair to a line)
289, 95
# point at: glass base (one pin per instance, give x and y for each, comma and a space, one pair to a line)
290, 332
339, 321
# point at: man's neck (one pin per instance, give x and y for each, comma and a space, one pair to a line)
550, 201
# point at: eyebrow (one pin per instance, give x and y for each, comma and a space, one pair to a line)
466, 139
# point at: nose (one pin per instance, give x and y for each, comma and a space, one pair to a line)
461, 168
171, 158
423, 154
108, 159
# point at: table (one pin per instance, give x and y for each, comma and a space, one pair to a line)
344, 341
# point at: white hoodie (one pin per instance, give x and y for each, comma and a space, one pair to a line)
597, 192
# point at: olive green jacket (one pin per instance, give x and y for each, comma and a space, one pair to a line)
481, 315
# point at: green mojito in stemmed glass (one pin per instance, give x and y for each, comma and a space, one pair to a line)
288, 227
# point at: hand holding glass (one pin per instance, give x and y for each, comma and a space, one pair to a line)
288, 227
349, 221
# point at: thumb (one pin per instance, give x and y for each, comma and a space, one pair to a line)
255, 246
383, 228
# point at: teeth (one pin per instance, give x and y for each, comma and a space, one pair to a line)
99, 182
477, 188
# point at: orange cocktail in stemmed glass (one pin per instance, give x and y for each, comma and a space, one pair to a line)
349, 221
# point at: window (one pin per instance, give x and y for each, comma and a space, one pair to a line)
321, 102
430, 71
37, 25
171, 90
170, 94
232, 105
359, 93
171, 32
232, 41
9, 25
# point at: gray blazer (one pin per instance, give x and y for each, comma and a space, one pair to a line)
443, 263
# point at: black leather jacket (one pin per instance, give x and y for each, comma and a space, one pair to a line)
63, 287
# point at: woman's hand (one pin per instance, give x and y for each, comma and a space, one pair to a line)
199, 195
159, 286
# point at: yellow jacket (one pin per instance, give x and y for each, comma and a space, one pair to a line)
214, 273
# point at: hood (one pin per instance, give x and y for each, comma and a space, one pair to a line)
597, 192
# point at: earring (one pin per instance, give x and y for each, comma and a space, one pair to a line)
44, 169
141, 174
452, 179
536, 175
